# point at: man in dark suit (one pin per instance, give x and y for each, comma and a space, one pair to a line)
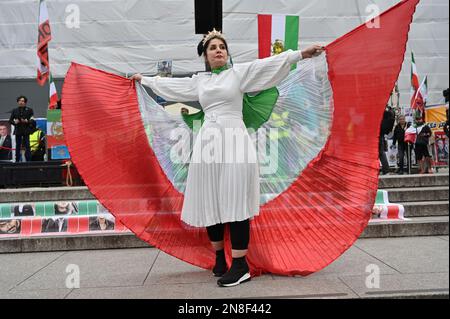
54, 225
5, 144
20, 118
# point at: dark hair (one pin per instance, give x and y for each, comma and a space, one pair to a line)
201, 49
22, 97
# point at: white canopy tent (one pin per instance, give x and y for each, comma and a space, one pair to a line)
128, 36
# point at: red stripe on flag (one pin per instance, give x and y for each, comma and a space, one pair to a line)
83, 224
393, 211
36, 226
25, 227
53, 103
265, 35
72, 225
415, 81
44, 37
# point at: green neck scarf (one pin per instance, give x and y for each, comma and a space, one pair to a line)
220, 70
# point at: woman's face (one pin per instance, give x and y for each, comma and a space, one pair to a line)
216, 54
402, 120
63, 207
9, 227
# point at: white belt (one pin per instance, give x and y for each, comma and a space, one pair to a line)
214, 116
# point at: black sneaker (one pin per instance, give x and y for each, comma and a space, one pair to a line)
221, 264
238, 274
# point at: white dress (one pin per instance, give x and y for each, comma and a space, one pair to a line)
223, 180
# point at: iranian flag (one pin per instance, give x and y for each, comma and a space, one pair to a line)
421, 96
44, 37
282, 29
414, 80
53, 100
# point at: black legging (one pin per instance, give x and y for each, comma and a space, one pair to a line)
239, 231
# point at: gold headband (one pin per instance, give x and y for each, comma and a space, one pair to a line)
212, 34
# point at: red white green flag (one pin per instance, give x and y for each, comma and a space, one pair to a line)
277, 33
421, 96
44, 37
53, 100
414, 81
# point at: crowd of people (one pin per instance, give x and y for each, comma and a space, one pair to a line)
407, 137
31, 140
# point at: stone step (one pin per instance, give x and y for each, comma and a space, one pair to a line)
45, 194
419, 194
419, 226
426, 209
410, 181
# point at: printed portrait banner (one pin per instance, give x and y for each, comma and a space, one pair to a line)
391, 154
441, 146
56, 218
6, 141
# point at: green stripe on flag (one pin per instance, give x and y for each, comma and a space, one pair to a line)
40, 209
49, 209
54, 116
83, 208
291, 34
5, 211
88, 208
92, 207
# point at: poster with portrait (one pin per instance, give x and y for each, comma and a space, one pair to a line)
6, 142
101, 222
10, 226
56, 218
391, 154
23, 210
441, 146
164, 68
436, 117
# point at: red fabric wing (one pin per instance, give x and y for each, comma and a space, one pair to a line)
302, 230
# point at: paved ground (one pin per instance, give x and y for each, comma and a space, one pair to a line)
408, 267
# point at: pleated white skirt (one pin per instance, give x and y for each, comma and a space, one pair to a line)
223, 179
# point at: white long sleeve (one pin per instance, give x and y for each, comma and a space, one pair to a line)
266, 73
174, 89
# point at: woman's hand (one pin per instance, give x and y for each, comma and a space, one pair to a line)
312, 51
137, 77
